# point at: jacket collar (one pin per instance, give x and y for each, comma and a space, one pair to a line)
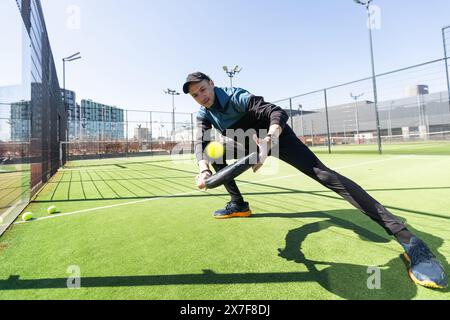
222, 97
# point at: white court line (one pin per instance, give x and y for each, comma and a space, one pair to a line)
196, 191
335, 169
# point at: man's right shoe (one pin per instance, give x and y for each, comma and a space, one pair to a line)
233, 210
424, 269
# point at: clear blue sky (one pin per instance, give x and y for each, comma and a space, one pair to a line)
134, 49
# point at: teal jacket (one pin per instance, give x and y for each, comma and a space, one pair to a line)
236, 109
233, 105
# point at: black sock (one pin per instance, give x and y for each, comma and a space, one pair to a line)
404, 236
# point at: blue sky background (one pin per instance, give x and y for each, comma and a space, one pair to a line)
132, 50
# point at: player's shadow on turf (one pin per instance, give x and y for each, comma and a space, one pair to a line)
351, 281
345, 280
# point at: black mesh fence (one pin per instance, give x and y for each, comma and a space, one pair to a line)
32, 114
136, 133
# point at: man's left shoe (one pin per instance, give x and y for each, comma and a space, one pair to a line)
424, 269
234, 209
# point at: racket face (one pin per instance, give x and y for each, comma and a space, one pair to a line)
231, 172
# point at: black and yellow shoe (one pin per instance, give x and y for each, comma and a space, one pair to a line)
234, 210
424, 269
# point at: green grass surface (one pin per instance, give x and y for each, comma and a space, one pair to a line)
138, 229
416, 148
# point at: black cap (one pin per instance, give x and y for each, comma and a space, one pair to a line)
194, 78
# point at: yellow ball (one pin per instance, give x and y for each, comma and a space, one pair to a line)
215, 150
52, 210
27, 216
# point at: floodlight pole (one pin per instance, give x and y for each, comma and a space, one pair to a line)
71, 58
356, 111
232, 73
367, 3
300, 107
173, 93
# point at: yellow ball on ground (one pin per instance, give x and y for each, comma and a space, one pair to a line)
1, 220
27, 216
52, 209
215, 150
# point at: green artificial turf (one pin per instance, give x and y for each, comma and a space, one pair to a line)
138, 229
417, 148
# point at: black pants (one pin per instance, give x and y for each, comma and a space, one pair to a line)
295, 153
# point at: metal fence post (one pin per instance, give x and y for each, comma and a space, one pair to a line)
126, 134
446, 62
151, 133
99, 139
292, 120
328, 121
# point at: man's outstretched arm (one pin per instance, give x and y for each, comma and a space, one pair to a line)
203, 138
272, 115
275, 118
